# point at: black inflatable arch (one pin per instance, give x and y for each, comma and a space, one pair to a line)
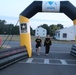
41, 6
65, 7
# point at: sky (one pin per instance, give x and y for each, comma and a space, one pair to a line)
11, 9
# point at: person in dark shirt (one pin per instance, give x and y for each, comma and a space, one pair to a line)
47, 44
38, 45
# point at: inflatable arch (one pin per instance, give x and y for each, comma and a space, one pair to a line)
42, 6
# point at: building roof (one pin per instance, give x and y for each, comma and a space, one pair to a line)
41, 28
71, 27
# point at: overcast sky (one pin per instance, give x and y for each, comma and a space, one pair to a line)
10, 10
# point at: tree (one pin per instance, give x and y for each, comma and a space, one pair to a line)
15, 30
11, 26
2, 23
32, 31
46, 27
60, 26
53, 28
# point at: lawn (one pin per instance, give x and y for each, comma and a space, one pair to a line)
17, 38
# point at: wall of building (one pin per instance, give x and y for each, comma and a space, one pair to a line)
40, 32
69, 34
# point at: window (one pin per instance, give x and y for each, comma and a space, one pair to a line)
58, 34
37, 33
43, 34
64, 35
43, 30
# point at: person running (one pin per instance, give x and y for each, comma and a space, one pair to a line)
47, 44
38, 44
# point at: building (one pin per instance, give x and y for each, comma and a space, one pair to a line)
40, 32
65, 34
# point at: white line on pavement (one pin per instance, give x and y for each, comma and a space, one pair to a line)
63, 62
29, 60
46, 61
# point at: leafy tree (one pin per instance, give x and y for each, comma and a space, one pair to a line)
11, 29
53, 28
32, 31
15, 30
60, 26
2, 23
11, 26
46, 27
8, 28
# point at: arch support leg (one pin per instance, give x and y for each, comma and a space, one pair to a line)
25, 38
74, 22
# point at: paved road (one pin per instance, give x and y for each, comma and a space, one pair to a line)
12, 43
58, 62
56, 47
53, 64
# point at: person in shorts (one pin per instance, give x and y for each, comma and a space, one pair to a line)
38, 44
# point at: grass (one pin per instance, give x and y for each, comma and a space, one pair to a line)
17, 38
54, 41
14, 37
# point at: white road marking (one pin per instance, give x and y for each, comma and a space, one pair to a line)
29, 60
57, 59
63, 62
46, 61
60, 52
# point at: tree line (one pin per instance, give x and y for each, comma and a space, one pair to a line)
11, 29
8, 29
52, 28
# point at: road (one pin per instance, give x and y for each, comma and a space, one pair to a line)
56, 47
58, 62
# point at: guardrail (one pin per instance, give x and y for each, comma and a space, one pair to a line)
12, 55
73, 50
